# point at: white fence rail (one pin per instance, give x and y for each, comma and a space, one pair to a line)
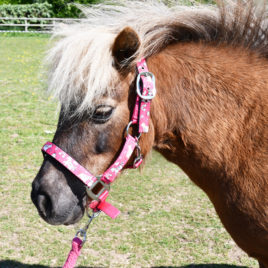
32, 25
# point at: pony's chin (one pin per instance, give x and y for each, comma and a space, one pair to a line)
70, 219
73, 221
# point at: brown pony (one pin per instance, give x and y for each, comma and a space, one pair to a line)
209, 116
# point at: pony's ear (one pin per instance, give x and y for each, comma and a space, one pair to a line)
125, 46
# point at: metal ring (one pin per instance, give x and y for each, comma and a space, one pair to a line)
128, 126
82, 234
138, 89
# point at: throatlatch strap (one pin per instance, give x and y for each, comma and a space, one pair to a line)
112, 172
141, 113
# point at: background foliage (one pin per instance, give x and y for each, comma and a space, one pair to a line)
64, 8
57, 8
36, 10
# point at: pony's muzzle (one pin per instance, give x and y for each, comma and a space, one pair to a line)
42, 201
54, 205
44, 205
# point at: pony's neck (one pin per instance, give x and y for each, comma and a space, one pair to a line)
207, 102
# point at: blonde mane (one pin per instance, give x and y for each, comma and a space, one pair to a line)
81, 64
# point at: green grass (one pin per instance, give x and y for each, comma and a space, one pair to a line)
166, 221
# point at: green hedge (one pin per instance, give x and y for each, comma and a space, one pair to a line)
56, 8
37, 10
67, 8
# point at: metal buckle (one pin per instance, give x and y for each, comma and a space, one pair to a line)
138, 159
152, 93
127, 129
94, 192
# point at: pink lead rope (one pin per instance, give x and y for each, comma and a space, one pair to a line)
74, 253
145, 86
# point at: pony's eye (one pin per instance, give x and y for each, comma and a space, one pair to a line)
102, 113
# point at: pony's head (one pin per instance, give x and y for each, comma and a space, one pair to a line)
94, 114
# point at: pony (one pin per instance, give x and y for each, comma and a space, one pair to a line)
209, 115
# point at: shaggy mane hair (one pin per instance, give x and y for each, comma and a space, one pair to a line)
81, 65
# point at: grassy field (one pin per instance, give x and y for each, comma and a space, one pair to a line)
166, 221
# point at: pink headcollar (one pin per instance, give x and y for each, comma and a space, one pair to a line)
140, 116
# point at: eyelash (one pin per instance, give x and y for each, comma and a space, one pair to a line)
102, 116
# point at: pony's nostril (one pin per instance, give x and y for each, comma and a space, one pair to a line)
44, 204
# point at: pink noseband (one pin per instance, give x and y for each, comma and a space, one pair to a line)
98, 187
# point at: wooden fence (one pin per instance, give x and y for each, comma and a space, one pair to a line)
32, 25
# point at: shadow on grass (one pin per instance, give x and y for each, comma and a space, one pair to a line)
16, 264
210, 265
